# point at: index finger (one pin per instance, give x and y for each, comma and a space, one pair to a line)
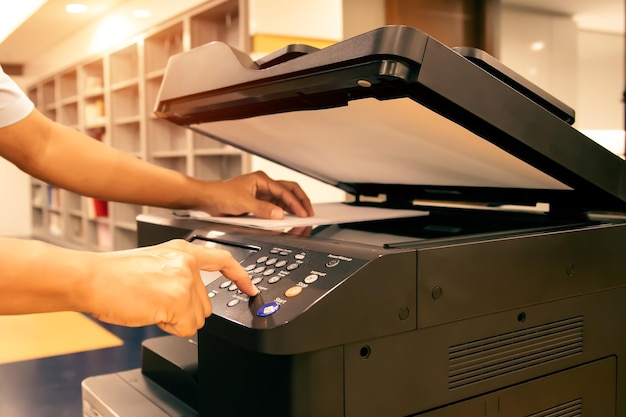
290, 197
300, 195
211, 259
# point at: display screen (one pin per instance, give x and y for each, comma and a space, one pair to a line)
239, 253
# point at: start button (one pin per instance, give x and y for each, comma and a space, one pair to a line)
268, 309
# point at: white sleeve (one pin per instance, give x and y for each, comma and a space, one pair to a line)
14, 104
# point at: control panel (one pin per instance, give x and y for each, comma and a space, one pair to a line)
290, 280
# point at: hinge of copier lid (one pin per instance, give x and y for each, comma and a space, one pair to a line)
393, 200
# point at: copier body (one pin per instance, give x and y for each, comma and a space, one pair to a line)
481, 304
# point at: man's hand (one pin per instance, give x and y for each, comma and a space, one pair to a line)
258, 194
160, 285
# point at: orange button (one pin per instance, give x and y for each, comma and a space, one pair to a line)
293, 291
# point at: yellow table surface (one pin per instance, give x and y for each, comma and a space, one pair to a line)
34, 336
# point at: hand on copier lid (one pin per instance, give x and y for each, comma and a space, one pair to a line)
258, 194
160, 285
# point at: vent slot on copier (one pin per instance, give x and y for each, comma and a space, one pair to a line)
493, 357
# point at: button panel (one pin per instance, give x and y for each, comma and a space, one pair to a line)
289, 280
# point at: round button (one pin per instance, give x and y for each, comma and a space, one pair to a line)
300, 256
274, 279
233, 302
261, 260
250, 267
271, 261
293, 266
284, 253
280, 264
268, 309
233, 287
212, 294
310, 279
268, 272
258, 270
256, 280
293, 291
332, 263
274, 251
225, 284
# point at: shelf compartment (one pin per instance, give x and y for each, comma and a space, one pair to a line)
54, 198
217, 167
160, 46
68, 114
37, 218
177, 163
124, 64
126, 136
73, 202
37, 195
204, 143
125, 102
55, 224
163, 136
48, 94
93, 78
95, 112
75, 230
99, 234
68, 83
220, 23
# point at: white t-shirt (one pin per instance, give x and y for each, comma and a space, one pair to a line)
14, 104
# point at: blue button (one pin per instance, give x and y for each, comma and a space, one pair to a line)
268, 309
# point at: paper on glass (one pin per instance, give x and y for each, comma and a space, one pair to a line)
326, 213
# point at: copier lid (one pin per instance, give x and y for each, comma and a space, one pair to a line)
395, 112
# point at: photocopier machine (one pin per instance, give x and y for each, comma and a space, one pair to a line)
504, 295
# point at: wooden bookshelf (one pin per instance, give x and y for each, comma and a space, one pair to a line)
111, 99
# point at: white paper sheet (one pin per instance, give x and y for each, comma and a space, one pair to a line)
325, 213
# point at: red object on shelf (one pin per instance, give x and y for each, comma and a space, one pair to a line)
101, 208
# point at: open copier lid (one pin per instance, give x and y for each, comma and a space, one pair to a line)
394, 112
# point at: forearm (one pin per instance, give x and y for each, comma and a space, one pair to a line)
100, 171
97, 170
64, 157
154, 285
38, 277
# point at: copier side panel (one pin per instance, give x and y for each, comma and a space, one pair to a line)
470, 279
429, 368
